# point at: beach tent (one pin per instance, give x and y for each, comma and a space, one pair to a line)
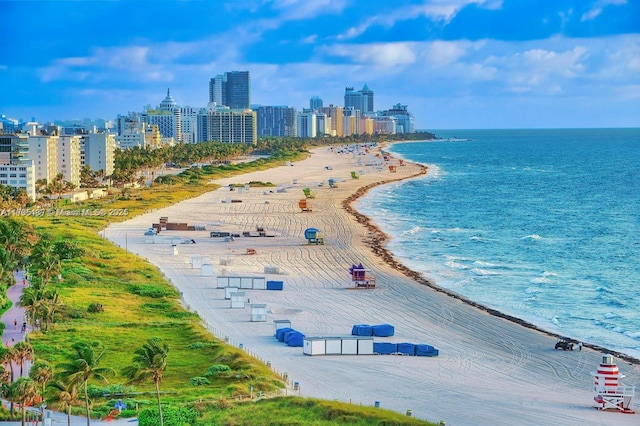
280, 333
362, 330
385, 348
426, 350
294, 338
406, 348
383, 330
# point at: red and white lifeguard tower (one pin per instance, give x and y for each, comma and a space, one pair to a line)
610, 394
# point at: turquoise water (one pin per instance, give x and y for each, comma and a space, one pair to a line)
543, 225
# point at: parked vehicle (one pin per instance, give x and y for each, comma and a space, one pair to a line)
565, 344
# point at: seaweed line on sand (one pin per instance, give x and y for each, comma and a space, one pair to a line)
377, 241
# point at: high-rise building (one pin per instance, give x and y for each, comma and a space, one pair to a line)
307, 124
315, 103
231, 89
335, 114
97, 150
277, 121
43, 151
402, 117
16, 169
69, 159
361, 100
167, 117
351, 121
227, 126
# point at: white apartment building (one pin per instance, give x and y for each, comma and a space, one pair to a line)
97, 150
19, 175
307, 125
189, 126
43, 151
131, 138
69, 163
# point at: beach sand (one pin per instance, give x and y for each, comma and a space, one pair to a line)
490, 371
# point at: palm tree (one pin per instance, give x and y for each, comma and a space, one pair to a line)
30, 300
23, 391
149, 362
16, 237
63, 394
23, 352
41, 372
8, 264
82, 366
6, 358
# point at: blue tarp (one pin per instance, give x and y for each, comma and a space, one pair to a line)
275, 285
383, 330
406, 348
362, 330
294, 338
385, 348
280, 333
426, 350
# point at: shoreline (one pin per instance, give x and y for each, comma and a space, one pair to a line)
488, 364
377, 245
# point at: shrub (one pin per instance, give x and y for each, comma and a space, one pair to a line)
199, 381
172, 416
216, 368
152, 291
95, 307
200, 345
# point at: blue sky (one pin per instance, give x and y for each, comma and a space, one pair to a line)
455, 63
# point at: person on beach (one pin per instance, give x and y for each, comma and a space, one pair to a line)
579, 346
15, 324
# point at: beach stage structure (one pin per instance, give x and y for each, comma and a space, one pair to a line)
314, 236
304, 205
609, 393
361, 278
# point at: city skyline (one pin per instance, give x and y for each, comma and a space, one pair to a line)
455, 63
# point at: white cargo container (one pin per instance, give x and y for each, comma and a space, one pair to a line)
228, 291
258, 312
365, 346
259, 284
349, 346
237, 300
333, 346
196, 261
313, 346
206, 270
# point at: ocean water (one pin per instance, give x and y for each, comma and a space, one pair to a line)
543, 225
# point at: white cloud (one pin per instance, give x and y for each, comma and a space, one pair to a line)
305, 9
446, 10
384, 55
597, 8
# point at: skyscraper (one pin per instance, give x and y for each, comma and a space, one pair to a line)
361, 100
315, 103
232, 89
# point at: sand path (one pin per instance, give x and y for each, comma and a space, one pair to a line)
490, 371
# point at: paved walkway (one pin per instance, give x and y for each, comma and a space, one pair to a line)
14, 319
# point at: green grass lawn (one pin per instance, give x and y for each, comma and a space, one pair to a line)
139, 304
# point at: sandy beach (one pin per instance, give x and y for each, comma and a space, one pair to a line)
490, 371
